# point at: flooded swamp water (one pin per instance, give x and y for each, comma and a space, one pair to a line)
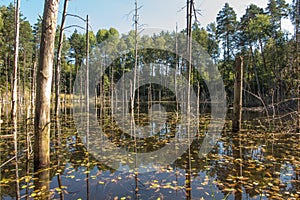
254, 164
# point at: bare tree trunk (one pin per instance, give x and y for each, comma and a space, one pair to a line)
135, 58
15, 92
87, 96
33, 84
16, 57
238, 94
189, 50
43, 95
19, 101
190, 4
6, 85
198, 107
298, 58
1, 112
132, 126
112, 91
23, 82
58, 61
176, 69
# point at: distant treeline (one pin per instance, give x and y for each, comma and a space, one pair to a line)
269, 52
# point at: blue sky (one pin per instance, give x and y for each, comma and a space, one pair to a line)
163, 14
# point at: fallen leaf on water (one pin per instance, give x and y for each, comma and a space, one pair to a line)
228, 189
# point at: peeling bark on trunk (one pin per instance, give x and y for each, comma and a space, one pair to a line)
43, 92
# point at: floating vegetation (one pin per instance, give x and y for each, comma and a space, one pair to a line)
251, 164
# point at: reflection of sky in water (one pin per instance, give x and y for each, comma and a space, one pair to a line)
259, 156
119, 184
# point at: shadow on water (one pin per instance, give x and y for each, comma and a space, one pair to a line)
253, 164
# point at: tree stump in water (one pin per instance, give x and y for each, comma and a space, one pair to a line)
238, 96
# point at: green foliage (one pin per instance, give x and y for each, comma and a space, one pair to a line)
212, 41
104, 34
277, 9
269, 53
226, 29
7, 45
77, 48
200, 35
101, 35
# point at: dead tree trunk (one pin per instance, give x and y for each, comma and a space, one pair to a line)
43, 92
135, 58
15, 69
238, 92
15, 91
33, 83
58, 61
190, 4
87, 108
298, 59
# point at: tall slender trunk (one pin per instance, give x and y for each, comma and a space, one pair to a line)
6, 85
87, 96
33, 83
15, 91
176, 69
298, 58
24, 77
58, 61
43, 96
16, 57
190, 4
112, 91
19, 100
135, 57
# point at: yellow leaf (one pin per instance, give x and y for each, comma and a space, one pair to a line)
27, 179
228, 189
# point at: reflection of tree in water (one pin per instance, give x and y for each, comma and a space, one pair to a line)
270, 163
242, 165
147, 144
71, 152
74, 151
254, 165
8, 181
